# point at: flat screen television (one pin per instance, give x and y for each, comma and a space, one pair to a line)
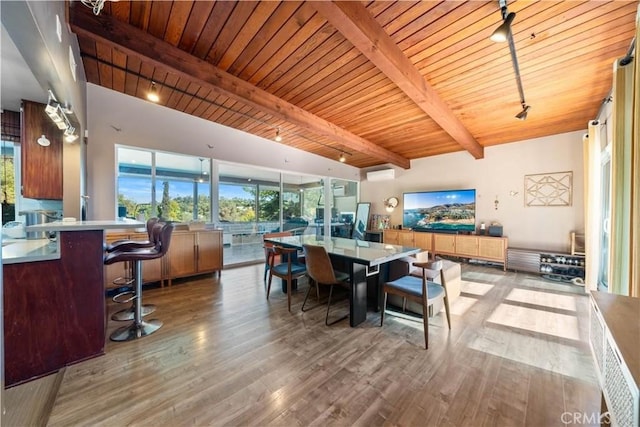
444, 211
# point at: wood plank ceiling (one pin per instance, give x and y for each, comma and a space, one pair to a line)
391, 82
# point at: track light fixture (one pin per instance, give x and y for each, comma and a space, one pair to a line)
522, 115
70, 134
502, 33
278, 138
57, 114
342, 158
152, 95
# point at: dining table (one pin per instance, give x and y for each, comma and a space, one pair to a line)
365, 262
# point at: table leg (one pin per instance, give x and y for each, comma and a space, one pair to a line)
358, 295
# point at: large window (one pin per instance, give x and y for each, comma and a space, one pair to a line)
171, 186
605, 221
8, 175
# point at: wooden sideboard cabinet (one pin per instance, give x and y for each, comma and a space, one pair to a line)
444, 243
190, 253
194, 252
423, 240
486, 248
391, 236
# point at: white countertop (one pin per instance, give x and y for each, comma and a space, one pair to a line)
86, 225
22, 250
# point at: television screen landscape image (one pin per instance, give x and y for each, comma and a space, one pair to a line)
446, 211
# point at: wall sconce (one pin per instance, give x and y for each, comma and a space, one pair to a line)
43, 141
391, 203
495, 202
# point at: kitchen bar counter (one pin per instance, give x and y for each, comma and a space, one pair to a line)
54, 308
24, 250
86, 225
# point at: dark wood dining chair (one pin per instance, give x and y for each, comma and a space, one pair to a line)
420, 290
266, 245
288, 270
321, 272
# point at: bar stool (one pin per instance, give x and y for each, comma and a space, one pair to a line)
129, 280
139, 328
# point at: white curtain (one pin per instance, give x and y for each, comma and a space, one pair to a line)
592, 192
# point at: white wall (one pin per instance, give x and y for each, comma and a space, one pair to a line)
147, 125
32, 27
498, 174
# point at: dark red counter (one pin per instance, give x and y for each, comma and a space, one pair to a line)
54, 311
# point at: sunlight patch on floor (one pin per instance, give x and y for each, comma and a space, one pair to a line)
555, 357
546, 299
475, 288
460, 306
544, 322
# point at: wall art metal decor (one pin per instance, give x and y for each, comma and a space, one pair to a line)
548, 189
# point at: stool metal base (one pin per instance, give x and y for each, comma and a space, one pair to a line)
135, 331
129, 313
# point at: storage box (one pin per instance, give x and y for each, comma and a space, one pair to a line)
495, 230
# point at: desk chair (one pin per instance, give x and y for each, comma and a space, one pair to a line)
420, 290
287, 270
321, 272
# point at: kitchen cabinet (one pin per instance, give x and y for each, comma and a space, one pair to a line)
54, 310
190, 252
41, 167
209, 251
181, 256
194, 252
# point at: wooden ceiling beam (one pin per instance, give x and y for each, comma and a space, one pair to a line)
138, 43
357, 25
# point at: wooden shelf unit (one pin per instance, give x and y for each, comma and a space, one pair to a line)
555, 264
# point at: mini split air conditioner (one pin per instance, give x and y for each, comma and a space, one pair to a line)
381, 175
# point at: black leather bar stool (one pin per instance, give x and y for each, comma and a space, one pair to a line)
129, 295
139, 328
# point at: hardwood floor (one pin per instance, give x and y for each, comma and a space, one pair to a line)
517, 354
